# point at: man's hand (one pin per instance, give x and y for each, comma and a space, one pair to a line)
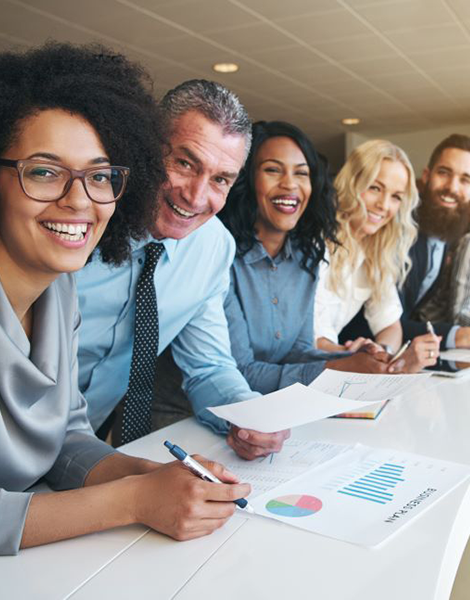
423, 352
176, 502
251, 444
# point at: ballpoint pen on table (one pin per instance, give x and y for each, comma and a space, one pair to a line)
400, 352
202, 472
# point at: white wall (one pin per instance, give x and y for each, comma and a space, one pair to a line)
417, 144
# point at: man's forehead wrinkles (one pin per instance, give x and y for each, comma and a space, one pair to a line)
210, 155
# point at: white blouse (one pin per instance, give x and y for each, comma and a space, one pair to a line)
332, 312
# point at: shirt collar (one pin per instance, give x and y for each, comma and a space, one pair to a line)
258, 252
435, 242
168, 243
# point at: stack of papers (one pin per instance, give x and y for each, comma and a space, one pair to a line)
355, 493
332, 393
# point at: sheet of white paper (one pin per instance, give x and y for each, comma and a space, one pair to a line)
457, 354
365, 386
266, 473
286, 408
362, 496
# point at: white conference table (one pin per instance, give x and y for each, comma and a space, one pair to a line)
253, 557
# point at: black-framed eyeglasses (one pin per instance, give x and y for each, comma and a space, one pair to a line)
49, 182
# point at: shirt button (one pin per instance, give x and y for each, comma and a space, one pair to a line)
275, 300
273, 268
277, 335
140, 261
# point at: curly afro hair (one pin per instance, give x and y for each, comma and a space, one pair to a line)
318, 223
115, 96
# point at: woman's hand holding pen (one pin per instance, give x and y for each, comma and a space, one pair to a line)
200, 508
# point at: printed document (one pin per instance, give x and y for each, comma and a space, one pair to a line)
363, 495
332, 393
286, 408
267, 472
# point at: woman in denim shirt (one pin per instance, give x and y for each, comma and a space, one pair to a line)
281, 211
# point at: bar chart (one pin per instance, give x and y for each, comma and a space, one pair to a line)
377, 485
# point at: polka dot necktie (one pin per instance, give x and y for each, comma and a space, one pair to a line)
137, 416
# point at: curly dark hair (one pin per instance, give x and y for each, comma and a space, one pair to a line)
317, 224
115, 96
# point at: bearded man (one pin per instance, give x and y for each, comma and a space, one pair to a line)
442, 219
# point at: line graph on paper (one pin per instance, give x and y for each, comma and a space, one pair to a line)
345, 387
364, 386
351, 386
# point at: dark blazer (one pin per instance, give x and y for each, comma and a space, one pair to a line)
409, 292
408, 296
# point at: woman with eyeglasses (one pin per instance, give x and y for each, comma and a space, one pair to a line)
80, 146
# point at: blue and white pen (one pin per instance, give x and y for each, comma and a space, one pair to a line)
202, 472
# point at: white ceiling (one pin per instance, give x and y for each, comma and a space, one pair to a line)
399, 65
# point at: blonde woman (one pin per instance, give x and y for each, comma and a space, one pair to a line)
376, 198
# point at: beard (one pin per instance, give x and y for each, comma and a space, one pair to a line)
434, 220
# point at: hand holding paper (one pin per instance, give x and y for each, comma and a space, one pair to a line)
284, 409
298, 404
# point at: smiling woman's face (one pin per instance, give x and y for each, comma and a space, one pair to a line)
55, 237
282, 185
382, 199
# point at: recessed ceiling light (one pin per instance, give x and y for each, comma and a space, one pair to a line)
351, 121
225, 67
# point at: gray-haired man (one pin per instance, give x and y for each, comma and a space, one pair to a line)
210, 135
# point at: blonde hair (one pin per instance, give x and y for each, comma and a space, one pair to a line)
386, 252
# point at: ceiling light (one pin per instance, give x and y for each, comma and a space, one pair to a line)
225, 67
351, 121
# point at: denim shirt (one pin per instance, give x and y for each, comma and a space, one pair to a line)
269, 310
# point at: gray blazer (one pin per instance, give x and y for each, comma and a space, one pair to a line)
44, 430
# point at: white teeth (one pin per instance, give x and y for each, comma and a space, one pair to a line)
375, 216
285, 202
67, 231
448, 200
181, 211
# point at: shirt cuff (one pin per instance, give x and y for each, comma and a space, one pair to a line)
13, 511
450, 339
79, 454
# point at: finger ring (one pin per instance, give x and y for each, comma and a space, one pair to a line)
431, 354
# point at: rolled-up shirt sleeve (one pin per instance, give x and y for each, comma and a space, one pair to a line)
383, 312
202, 352
328, 308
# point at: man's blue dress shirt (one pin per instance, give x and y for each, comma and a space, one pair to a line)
269, 310
191, 282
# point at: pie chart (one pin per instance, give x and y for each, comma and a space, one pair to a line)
298, 505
